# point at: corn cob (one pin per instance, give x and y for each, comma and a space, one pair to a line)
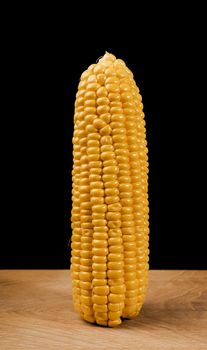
110, 214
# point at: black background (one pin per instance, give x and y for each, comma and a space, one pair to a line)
41, 68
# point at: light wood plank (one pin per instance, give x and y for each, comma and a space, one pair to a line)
36, 312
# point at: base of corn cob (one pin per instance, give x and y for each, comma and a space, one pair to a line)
110, 211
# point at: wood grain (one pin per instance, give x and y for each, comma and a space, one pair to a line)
36, 312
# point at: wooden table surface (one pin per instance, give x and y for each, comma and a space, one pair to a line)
36, 312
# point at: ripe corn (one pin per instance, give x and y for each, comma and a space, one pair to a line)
110, 213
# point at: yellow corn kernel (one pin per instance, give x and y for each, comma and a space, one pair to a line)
100, 243
114, 274
101, 316
99, 267
116, 298
115, 257
114, 315
89, 318
114, 323
102, 235
115, 233
101, 290
99, 299
106, 117
85, 275
99, 275
115, 265
86, 300
101, 322
120, 289
100, 308
99, 281
116, 281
